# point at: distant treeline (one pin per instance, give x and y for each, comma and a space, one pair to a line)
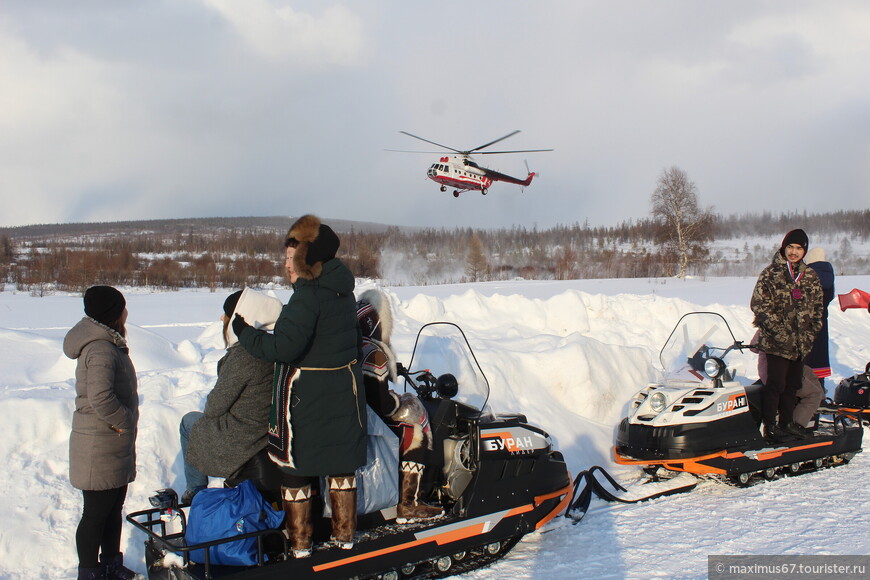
234, 252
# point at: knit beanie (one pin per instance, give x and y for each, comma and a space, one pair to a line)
104, 304
230, 303
798, 237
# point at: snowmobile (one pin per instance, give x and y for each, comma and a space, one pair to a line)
497, 477
701, 420
852, 396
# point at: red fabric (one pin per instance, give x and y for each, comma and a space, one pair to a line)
854, 299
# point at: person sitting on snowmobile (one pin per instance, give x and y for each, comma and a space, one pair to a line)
787, 303
405, 414
809, 396
233, 427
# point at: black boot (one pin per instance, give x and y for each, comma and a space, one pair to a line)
91, 573
797, 430
115, 569
775, 434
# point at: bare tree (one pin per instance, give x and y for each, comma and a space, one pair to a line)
476, 266
684, 226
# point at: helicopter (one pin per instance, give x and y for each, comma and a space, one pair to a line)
462, 173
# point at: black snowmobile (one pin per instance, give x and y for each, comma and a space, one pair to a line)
854, 392
496, 476
701, 420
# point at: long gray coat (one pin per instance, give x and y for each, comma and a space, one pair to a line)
236, 420
102, 446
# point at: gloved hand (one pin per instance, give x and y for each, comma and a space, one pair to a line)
239, 325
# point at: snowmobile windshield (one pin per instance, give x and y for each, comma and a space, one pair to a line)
697, 337
442, 348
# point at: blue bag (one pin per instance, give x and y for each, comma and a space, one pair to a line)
218, 513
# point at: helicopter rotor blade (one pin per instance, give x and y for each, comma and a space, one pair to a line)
517, 151
407, 151
433, 142
494, 142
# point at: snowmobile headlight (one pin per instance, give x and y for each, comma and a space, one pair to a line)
714, 367
658, 401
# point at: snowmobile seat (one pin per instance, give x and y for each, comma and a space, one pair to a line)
753, 394
263, 472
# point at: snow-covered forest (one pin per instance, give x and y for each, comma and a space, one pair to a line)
226, 253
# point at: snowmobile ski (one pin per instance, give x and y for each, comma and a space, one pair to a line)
587, 485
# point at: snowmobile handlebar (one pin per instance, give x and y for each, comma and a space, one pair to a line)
427, 385
738, 345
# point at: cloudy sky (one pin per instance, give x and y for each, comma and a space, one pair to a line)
121, 109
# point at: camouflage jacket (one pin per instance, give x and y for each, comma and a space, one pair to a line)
788, 326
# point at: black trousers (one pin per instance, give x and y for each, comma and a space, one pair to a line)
99, 530
784, 378
297, 481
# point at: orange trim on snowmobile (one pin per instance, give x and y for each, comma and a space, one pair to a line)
672, 463
480, 525
694, 465
853, 412
567, 490
778, 452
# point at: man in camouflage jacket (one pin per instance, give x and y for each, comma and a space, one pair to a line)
788, 307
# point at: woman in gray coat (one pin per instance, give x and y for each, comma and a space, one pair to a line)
234, 426
102, 446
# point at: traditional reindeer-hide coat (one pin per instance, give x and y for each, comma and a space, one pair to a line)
236, 416
788, 313
102, 446
317, 423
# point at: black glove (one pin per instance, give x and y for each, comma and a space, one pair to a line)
239, 325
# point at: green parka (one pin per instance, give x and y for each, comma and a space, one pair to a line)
317, 333
788, 326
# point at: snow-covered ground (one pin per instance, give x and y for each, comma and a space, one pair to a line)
570, 355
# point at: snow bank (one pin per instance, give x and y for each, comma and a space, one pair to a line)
570, 355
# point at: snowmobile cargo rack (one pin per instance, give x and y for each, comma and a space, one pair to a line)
174, 542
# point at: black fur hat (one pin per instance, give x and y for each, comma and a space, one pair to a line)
104, 304
315, 244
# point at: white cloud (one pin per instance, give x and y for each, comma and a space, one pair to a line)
276, 31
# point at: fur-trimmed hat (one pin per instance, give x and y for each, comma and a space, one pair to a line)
376, 325
798, 237
315, 244
104, 304
374, 315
